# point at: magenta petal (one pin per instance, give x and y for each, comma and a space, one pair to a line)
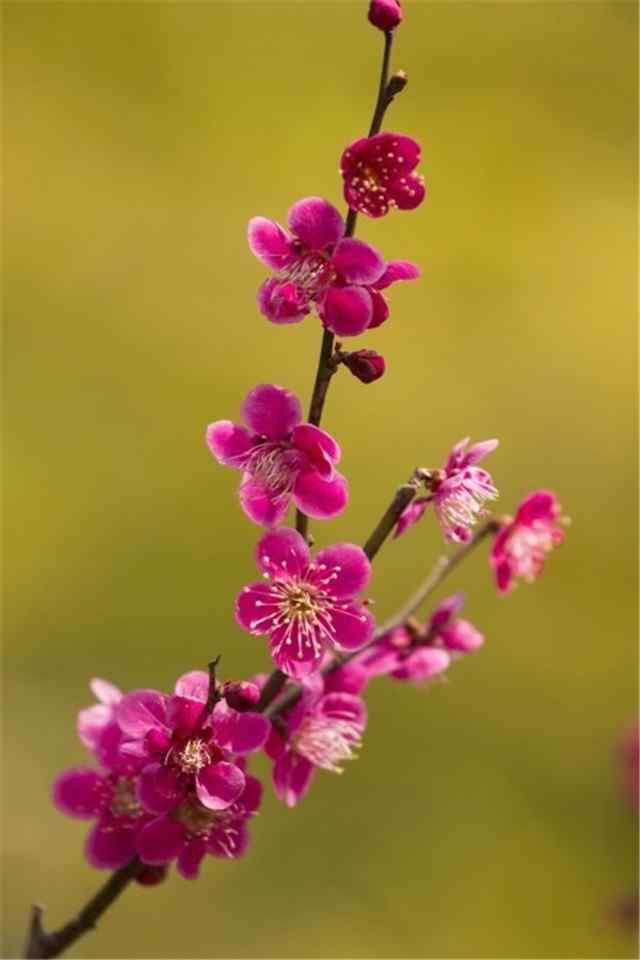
347, 569
344, 706
251, 795
410, 515
408, 194
269, 243
424, 663
397, 270
293, 653
380, 310
194, 685
347, 310
479, 451
539, 505
445, 611
190, 858
357, 262
462, 636
81, 792
282, 303
91, 722
219, 785
282, 551
320, 498
159, 788
254, 608
260, 504
104, 691
230, 840
141, 711
250, 733
308, 438
291, 777
229, 443
160, 841
353, 626
271, 411
111, 844
316, 223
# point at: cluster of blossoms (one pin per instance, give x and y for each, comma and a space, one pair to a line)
170, 778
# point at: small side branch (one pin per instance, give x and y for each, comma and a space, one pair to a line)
43, 944
403, 497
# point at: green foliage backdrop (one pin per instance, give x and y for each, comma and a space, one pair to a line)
484, 817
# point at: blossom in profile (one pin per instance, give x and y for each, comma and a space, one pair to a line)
417, 652
306, 606
521, 546
281, 458
320, 731
458, 493
316, 266
379, 173
385, 14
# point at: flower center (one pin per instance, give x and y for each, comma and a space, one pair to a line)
327, 742
124, 802
275, 466
311, 273
193, 756
528, 546
196, 819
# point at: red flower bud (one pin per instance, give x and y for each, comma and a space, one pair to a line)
366, 365
385, 14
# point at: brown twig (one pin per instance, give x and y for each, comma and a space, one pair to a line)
403, 497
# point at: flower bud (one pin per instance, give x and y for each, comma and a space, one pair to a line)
150, 876
385, 14
241, 695
366, 365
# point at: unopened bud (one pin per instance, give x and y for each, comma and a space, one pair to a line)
397, 83
385, 14
366, 365
241, 695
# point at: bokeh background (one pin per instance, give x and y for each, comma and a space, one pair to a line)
484, 817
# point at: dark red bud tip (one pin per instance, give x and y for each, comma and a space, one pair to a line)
150, 876
366, 365
241, 695
385, 14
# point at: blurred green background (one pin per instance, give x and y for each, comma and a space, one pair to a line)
484, 817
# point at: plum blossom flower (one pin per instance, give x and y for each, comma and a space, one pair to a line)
281, 458
317, 266
191, 830
320, 731
520, 549
306, 607
417, 652
379, 174
186, 750
385, 14
458, 493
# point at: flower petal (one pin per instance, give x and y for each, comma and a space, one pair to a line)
462, 636
316, 222
397, 270
344, 567
269, 243
408, 192
357, 262
104, 691
81, 792
111, 844
190, 858
410, 515
539, 505
194, 685
310, 439
229, 443
251, 795
344, 706
292, 775
141, 711
282, 302
219, 785
282, 551
347, 310
230, 840
320, 498
479, 451
294, 653
91, 722
353, 625
260, 504
445, 612
160, 841
424, 663
254, 607
380, 310
271, 411
159, 788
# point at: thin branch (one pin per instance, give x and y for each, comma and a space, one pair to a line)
42, 944
403, 497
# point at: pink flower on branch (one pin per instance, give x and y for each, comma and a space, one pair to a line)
521, 547
320, 731
281, 458
378, 174
458, 492
306, 607
317, 266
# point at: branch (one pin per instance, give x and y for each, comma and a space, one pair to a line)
403, 497
42, 944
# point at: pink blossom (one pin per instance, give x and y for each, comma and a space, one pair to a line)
306, 607
281, 458
317, 266
416, 652
320, 731
379, 174
458, 493
188, 752
520, 549
385, 14
191, 830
